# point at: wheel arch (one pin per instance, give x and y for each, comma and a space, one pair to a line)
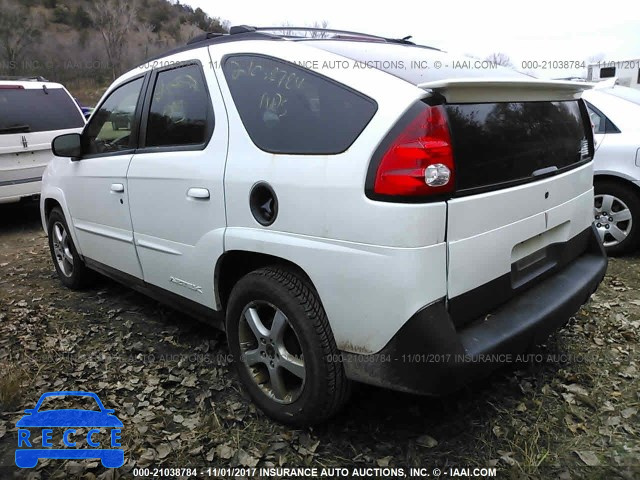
620, 179
48, 205
50, 199
234, 264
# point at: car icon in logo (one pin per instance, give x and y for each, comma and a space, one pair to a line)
28, 452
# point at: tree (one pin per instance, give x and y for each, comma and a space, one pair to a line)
286, 29
114, 20
81, 18
18, 30
322, 24
500, 58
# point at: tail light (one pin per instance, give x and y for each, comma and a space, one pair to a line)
419, 161
11, 87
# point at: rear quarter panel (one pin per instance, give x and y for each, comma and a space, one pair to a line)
374, 264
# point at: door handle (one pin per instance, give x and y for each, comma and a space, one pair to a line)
117, 187
199, 193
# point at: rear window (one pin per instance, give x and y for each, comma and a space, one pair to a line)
37, 110
503, 143
288, 109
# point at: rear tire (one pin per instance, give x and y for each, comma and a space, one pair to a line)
621, 203
71, 270
283, 347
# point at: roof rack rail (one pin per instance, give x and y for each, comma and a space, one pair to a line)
35, 78
336, 34
236, 29
204, 36
248, 32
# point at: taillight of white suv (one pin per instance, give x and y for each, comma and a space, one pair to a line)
419, 160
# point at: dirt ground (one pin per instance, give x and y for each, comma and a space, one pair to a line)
571, 413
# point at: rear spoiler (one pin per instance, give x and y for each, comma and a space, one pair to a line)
485, 90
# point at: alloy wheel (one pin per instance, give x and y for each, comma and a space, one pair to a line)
271, 352
613, 219
62, 249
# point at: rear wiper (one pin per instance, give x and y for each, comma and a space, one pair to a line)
16, 129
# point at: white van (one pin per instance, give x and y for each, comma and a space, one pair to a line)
32, 114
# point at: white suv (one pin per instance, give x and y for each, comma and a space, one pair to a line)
341, 214
32, 113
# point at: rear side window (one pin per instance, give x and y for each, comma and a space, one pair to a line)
598, 120
288, 109
37, 110
601, 123
179, 108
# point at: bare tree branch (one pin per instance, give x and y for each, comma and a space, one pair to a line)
322, 24
19, 28
500, 58
114, 19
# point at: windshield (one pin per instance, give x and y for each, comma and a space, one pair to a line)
60, 402
625, 93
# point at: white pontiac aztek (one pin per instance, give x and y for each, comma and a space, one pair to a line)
343, 212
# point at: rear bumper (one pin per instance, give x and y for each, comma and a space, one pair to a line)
429, 356
13, 191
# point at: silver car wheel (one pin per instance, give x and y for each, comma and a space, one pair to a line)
612, 218
62, 249
271, 352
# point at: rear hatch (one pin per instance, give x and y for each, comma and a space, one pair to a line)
523, 196
31, 115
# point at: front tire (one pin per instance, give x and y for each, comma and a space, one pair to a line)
70, 268
617, 216
283, 347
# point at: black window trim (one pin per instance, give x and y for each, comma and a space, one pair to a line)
146, 108
136, 119
609, 126
228, 56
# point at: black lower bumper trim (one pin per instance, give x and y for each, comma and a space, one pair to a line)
429, 356
20, 182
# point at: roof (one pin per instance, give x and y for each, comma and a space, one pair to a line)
34, 84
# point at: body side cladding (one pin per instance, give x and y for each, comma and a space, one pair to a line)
193, 309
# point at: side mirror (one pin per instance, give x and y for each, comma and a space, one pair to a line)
69, 145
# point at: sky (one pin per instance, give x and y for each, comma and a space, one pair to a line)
541, 30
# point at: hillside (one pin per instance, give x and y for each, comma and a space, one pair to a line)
86, 44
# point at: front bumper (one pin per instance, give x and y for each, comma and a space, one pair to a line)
428, 355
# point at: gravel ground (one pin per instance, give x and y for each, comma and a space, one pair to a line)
572, 412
